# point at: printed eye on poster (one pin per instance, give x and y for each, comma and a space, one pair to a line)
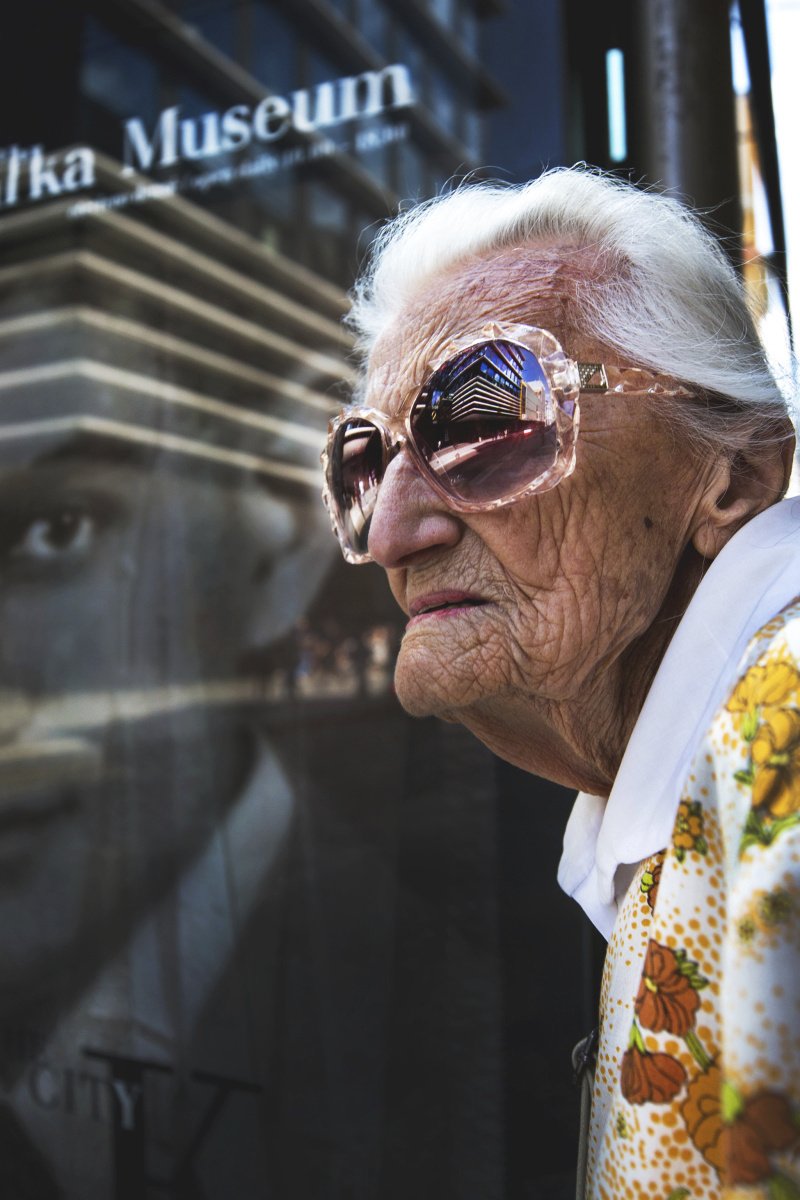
255, 936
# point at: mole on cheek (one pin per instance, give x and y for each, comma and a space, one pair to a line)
648, 524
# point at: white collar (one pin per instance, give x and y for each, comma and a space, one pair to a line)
754, 577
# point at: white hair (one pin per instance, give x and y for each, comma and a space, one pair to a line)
667, 296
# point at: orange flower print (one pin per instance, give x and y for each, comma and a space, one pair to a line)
736, 1135
702, 1114
667, 1000
763, 1125
650, 1078
776, 763
688, 832
647, 1077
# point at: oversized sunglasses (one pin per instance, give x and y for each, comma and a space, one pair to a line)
496, 420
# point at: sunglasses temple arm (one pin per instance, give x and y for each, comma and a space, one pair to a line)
593, 376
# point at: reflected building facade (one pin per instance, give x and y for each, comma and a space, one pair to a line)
263, 935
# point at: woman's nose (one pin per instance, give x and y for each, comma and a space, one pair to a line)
410, 520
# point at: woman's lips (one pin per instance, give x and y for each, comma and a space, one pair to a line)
442, 604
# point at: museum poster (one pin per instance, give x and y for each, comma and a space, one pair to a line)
263, 936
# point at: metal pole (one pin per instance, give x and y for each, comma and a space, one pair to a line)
754, 26
684, 126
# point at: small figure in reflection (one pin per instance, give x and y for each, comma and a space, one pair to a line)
334, 663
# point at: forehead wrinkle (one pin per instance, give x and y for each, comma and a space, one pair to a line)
535, 284
512, 285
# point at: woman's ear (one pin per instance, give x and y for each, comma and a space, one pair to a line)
742, 485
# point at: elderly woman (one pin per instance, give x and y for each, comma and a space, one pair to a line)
568, 458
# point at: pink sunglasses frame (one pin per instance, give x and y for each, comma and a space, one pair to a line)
566, 381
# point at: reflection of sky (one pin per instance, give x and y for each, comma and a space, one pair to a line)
531, 367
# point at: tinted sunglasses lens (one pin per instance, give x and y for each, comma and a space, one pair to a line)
486, 422
355, 472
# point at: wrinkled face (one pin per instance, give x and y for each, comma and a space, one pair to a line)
518, 615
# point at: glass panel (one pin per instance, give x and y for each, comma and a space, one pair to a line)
444, 103
273, 50
114, 75
264, 935
443, 10
372, 23
215, 22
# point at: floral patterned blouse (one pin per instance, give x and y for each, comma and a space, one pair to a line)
697, 1091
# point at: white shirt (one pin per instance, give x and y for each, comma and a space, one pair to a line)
753, 578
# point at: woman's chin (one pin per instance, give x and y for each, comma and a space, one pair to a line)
417, 701
428, 687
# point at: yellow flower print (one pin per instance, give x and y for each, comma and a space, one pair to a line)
769, 916
688, 831
766, 685
776, 763
776, 908
747, 928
